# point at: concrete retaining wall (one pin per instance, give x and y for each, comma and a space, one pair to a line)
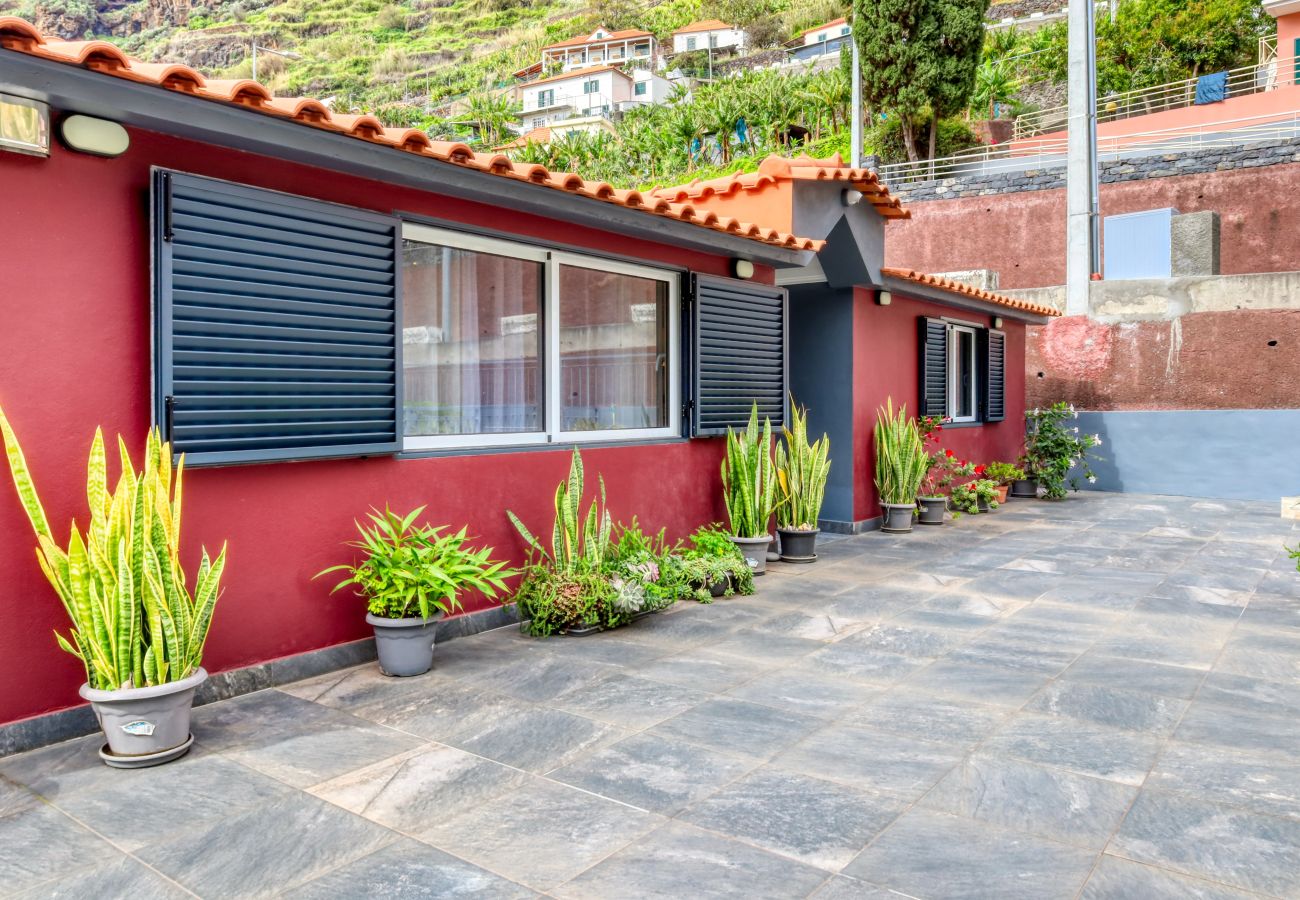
1227, 454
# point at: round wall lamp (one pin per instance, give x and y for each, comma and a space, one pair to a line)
997, 321
851, 197
742, 268
98, 137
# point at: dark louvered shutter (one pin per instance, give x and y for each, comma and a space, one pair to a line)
276, 324
995, 402
934, 367
740, 353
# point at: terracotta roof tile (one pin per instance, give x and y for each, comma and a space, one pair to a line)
535, 136
957, 287
580, 73
801, 168
625, 34
17, 35
703, 25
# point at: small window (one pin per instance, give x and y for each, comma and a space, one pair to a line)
591, 86
690, 43
821, 38
713, 41
640, 88
546, 98
844, 31
962, 406
24, 126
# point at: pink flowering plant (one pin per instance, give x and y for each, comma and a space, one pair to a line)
945, 466
1056, 453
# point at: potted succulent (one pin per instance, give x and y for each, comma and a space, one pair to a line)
411, 577
801, 471
1054, 450
1004, 475
978, 496
901, 464
715, 566
749, 489
135, 625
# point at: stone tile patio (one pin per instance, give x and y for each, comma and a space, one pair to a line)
1098, 699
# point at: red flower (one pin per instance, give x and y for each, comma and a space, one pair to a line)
949, 453
979, 470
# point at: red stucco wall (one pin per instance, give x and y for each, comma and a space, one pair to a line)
74, 353
1022, 235
1176, 364
887, 364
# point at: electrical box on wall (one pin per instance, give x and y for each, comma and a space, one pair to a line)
1137, 245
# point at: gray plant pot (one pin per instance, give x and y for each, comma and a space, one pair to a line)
897, 518
1025, 489
755, 551
405, 646
932, 510
799, 545
145, 726
981, 504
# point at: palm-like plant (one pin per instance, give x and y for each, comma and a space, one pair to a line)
901, 459
490, 113
802, 469
749, 478
994, 83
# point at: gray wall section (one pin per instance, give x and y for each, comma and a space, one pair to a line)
821, 378
1227, 454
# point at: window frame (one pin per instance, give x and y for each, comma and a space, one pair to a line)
549, 323
954, 372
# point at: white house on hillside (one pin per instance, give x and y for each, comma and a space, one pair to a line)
596, 91
708, 34
600, 47
823, 39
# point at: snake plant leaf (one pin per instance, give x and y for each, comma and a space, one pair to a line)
22, 478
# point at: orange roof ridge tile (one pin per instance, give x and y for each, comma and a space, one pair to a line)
958, 287
20, 36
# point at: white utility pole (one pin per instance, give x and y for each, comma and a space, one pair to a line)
285, 53
1081, 168
855, 132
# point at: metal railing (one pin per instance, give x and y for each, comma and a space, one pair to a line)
1254, 79
998, 158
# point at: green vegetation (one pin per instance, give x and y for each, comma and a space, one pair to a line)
749, 478
901, 459
801, 470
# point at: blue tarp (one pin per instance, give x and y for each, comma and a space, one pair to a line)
1212, 88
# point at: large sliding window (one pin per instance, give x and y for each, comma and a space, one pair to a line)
506, 343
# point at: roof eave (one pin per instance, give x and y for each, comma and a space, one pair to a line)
960, 301
75, 89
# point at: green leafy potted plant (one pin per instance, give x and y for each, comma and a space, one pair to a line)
901, 465
943, 470
412, 576
749, 489
1054, 450
978, 496
801, 470
715, 567
1003, 475
135, 626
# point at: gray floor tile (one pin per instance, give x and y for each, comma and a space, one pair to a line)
1210, 723
704, 670
356, 688
809, 693
1053, 803
653, 773
542, 834
1112, 707
979, 683
1221, 843
412, 791
871, 759
907, 711
1122, 879
443, 713
62, 769
854, 661
738, 727
1135, 674
122, 877
765, 644
929, 854
542, 677
1263, 782
1274, 657
14, 797
816, 822
842, 887
262, 852
409, 870
191, 792
679, 861
41, 843
629, 701
1077, 746
1257, 695
537, 739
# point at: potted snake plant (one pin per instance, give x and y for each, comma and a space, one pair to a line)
749, 489
136, 627
901, 465
411, 577
801, 471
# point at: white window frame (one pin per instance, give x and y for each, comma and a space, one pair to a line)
954, 371
549, 345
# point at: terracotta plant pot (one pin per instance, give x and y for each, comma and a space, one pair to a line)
1003, 490
932, 510
145, 726
405, 646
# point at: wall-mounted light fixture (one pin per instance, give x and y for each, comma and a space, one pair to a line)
96, 136
851, 197
742, 268
884, 298
997, 321
24, 126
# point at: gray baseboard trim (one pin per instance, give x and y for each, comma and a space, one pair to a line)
78, 721
861, 526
